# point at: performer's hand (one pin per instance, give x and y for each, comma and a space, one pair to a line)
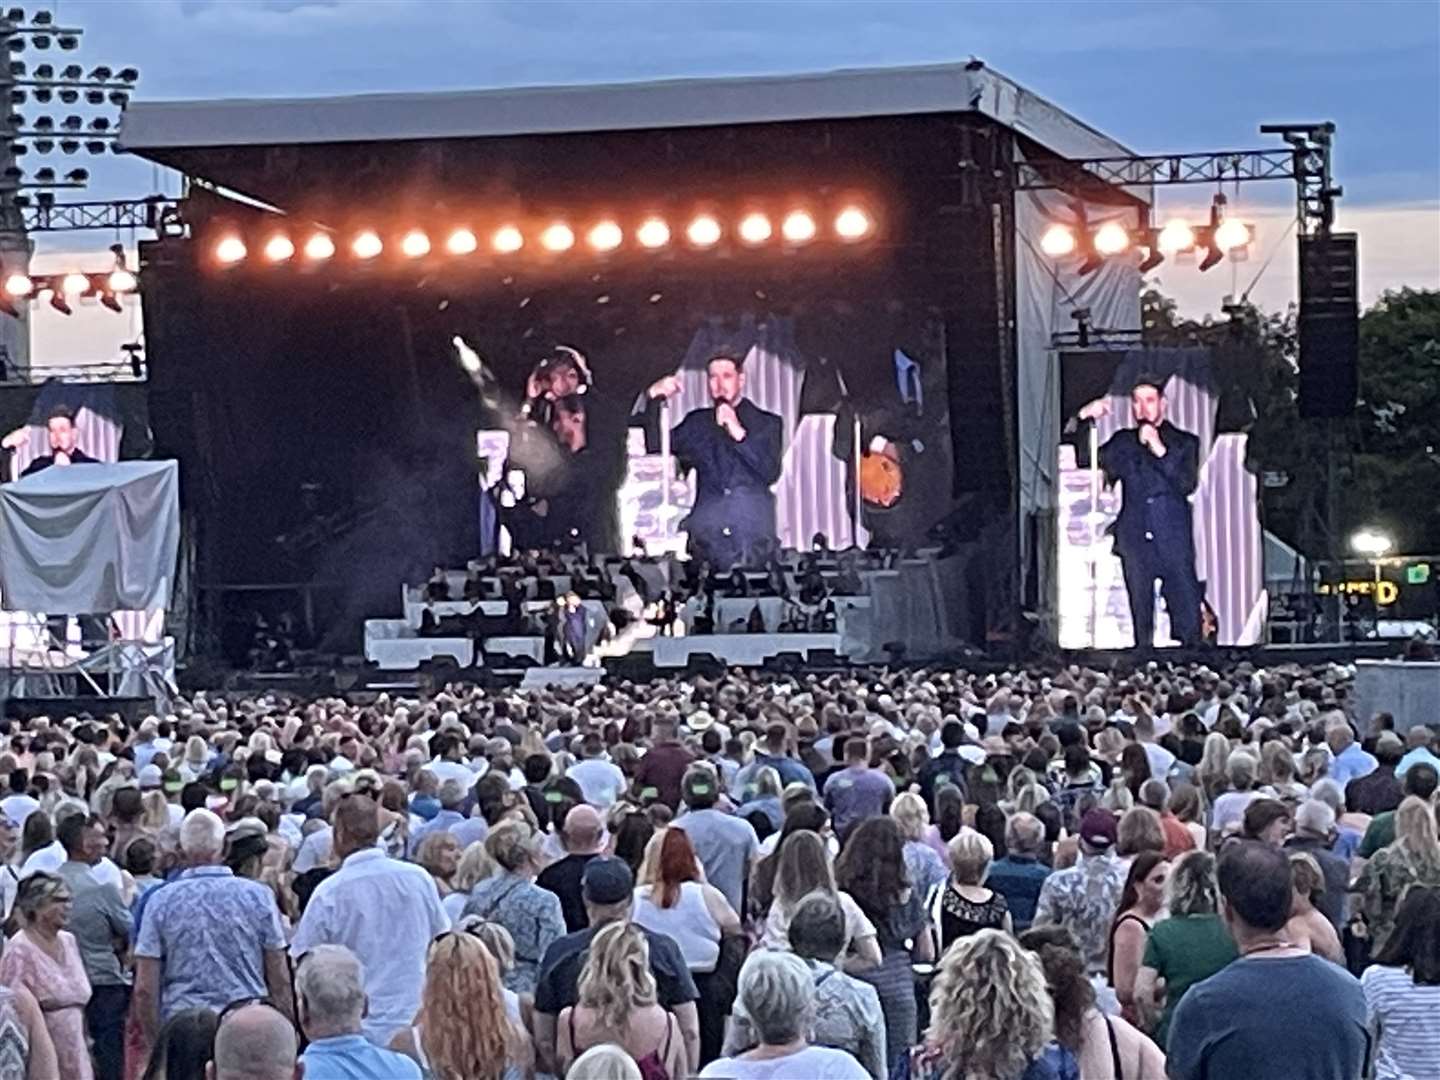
1150, 439
16, 438
666, 387
1096, 409
727, 418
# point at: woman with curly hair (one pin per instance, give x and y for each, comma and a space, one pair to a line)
617, 1003
466, 1029
991, 1016
1105, 1046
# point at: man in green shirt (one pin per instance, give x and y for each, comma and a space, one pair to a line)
1420, 779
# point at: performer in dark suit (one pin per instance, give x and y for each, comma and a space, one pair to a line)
734, 448
63, 451
1159, 466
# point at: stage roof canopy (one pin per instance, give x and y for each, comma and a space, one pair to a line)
170, 132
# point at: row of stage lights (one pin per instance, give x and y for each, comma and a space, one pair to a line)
1222, 236
63, 290
850, 224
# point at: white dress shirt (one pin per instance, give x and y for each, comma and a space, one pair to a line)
600, 782
50, 858
387, 913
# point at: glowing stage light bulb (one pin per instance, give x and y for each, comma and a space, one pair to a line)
1111, 238
414, 244
853, 223
319, 246
507, 239
1175, 237
367, 245
798, 227
704, 231
557, 237
1058, 240
1231, 234
230, 250
279, 248
19, 285
755, 228
605, 236
74, 284
653, 233
461, 242
122, 280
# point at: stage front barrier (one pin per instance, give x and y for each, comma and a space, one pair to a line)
735, 650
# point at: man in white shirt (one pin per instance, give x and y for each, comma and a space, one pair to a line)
385, 911
1161, 760
449, 763
51, 857
601, 782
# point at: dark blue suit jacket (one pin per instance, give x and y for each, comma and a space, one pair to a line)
1156, 489
732, 479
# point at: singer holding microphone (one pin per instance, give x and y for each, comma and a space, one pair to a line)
1159, 466
734, 447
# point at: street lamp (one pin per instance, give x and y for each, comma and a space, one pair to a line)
1371, 543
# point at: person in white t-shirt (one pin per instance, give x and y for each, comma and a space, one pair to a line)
601, 782
448, 762
777, 992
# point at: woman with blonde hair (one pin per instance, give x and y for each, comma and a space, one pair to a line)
604, 1062
1413, 859
466, 1028
474, 867
965, 906
196, 761
1308, 927
531, 914
991, 1016
616, 1003
439, 856
1277, 772
803, 866
1212, 773
154, 811
912, 817
1185, 803
1117, 798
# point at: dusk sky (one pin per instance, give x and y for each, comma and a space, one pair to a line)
1157, 76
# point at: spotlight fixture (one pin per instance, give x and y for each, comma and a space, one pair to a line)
853, 223
19, 286
507, 240
1058, 241
653, 233
230, 251
1111, 239
367, 245
557, 237
74, 284
605, 236
798, 227
1175, 237
704, 231
461, 242
415, 244
279, 248
1231, 235
1153, 256
755, 228
319, 246
121, 280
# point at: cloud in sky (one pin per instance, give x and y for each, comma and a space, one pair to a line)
1155, 74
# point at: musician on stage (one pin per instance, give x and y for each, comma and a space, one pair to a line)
62, 433
1159, 467
735, 448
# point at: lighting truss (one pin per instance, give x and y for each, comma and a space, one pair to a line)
1306, 161
154, 212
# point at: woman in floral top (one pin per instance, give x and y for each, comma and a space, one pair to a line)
1413, 859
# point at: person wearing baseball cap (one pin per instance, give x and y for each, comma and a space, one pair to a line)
1083, 899
608, 888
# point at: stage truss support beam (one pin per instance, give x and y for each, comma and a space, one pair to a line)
156, 212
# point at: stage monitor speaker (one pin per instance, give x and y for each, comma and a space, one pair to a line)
1329, 326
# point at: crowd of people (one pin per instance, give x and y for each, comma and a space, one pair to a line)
1146, 872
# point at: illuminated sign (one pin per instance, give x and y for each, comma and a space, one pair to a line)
1385, 592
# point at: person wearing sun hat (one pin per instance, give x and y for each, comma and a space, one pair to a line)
1083, 898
